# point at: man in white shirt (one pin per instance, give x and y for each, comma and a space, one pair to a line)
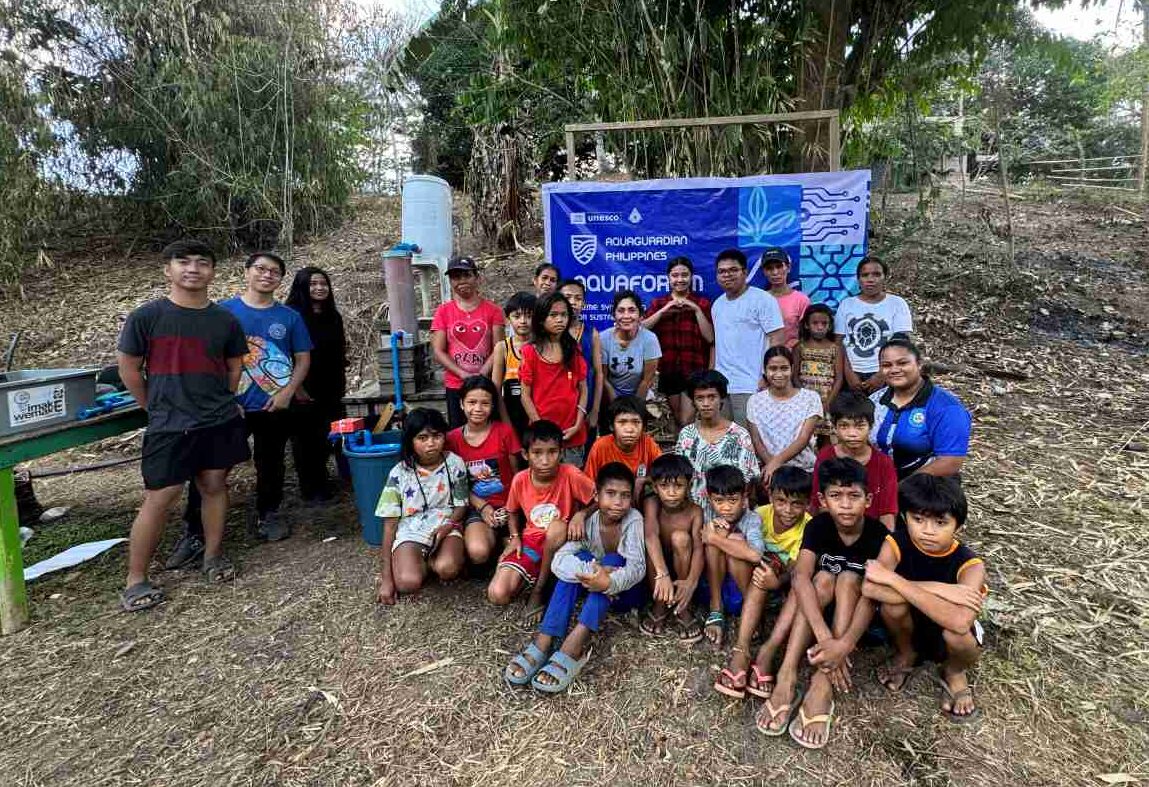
866, 321
747, 321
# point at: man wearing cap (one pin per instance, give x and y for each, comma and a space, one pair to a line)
747, 321
464, 332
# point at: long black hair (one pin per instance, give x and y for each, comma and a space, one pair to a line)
299, 297
804, 324
418, 420
539, 321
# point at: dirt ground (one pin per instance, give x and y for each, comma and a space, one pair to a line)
293, 675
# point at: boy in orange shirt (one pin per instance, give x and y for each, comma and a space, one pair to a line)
628, 443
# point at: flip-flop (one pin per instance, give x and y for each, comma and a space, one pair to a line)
738, 680
141, 596
715, 620
563, 669
757, 680
826, 718
218, 569
653, 625
953, 697
787, 709
893, 673
530, 666
689, 630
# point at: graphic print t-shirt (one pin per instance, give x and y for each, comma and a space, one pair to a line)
274, 335
488, 464
624, 364
821, 537
185, 354
865, 327
541, 506
470, 336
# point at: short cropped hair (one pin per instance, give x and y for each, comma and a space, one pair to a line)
627, 405
614, 471
850, 405
543, 266
790, 480
876, 260
671, 466
930, 494
191, 247
572, 283
253, 258
711, 378
725, 480
731, 254
521, 301
683, 261
542, 431
627, 295
477, 382
841, 472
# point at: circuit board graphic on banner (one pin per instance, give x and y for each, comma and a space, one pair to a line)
620, 236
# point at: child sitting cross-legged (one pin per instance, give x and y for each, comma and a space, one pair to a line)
628, 442
930, 587
674, 551
783, 525
541, 501
422, 505
606, 564
835, 547
733, 538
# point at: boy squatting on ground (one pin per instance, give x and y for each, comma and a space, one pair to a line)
675, 555
930, 587
607, 564
733, 539
541, 502
835, 547
783, 525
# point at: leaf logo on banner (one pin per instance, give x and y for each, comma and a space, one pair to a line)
758, 226
583, 248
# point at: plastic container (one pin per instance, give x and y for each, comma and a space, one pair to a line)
427, 216
33, 399
370, 458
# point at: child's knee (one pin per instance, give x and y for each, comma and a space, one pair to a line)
478, 550
824, 583
895, 613
556, 535
681, 542
408, 580
964, 644
448, 568
500, 593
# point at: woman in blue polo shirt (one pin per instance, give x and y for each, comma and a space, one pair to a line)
923, 427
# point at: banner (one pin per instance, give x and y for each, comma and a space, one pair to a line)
620, 236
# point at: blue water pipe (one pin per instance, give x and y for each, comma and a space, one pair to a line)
396, 337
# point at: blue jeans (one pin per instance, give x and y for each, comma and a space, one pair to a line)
594, 608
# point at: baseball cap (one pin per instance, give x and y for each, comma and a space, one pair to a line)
775, 255
462, 265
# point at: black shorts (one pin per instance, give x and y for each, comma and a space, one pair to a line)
672, 383
174, 458
929, 642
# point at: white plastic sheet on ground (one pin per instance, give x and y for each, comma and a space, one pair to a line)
73, 556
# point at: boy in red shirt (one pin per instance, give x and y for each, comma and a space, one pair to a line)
853, 417
464, 332
628, 443
541, 502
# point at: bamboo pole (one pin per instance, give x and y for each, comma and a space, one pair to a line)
1141, 179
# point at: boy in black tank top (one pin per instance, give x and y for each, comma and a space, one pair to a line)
930, 587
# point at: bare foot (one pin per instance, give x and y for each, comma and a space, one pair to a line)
535, 609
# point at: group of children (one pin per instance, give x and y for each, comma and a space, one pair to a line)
623, 525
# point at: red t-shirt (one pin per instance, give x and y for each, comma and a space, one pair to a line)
554, 390
569, 491
489, 463
470, 335
881, 482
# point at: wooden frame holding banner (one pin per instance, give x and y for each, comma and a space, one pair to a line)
834, 153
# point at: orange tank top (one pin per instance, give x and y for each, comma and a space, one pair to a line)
514, 360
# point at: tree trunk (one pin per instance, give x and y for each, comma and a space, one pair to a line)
819, 75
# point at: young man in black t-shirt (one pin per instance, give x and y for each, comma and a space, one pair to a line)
181, 357
835, 547
931, 588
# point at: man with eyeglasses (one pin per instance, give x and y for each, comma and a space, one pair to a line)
278, 357
747, 321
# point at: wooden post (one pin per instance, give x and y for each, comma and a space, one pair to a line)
571, 174
835, 143
13, 597
1141, 173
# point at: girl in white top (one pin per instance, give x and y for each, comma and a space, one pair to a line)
867, 321
782, 418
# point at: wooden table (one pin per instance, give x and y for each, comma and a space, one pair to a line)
24, 447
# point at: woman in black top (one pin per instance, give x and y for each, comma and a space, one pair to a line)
320, 399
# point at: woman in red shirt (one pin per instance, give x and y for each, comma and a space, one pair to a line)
681, 321
553, 375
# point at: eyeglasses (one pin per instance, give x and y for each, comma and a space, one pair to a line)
263, 270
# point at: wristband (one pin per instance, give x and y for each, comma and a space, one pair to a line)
484, 506
662, 575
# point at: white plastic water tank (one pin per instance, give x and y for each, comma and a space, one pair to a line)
427, 216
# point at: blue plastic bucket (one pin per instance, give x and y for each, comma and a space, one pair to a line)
371, 457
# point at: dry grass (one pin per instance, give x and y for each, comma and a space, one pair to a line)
293, 676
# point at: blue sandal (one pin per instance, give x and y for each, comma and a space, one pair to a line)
716, 620
531, 660
563, 669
